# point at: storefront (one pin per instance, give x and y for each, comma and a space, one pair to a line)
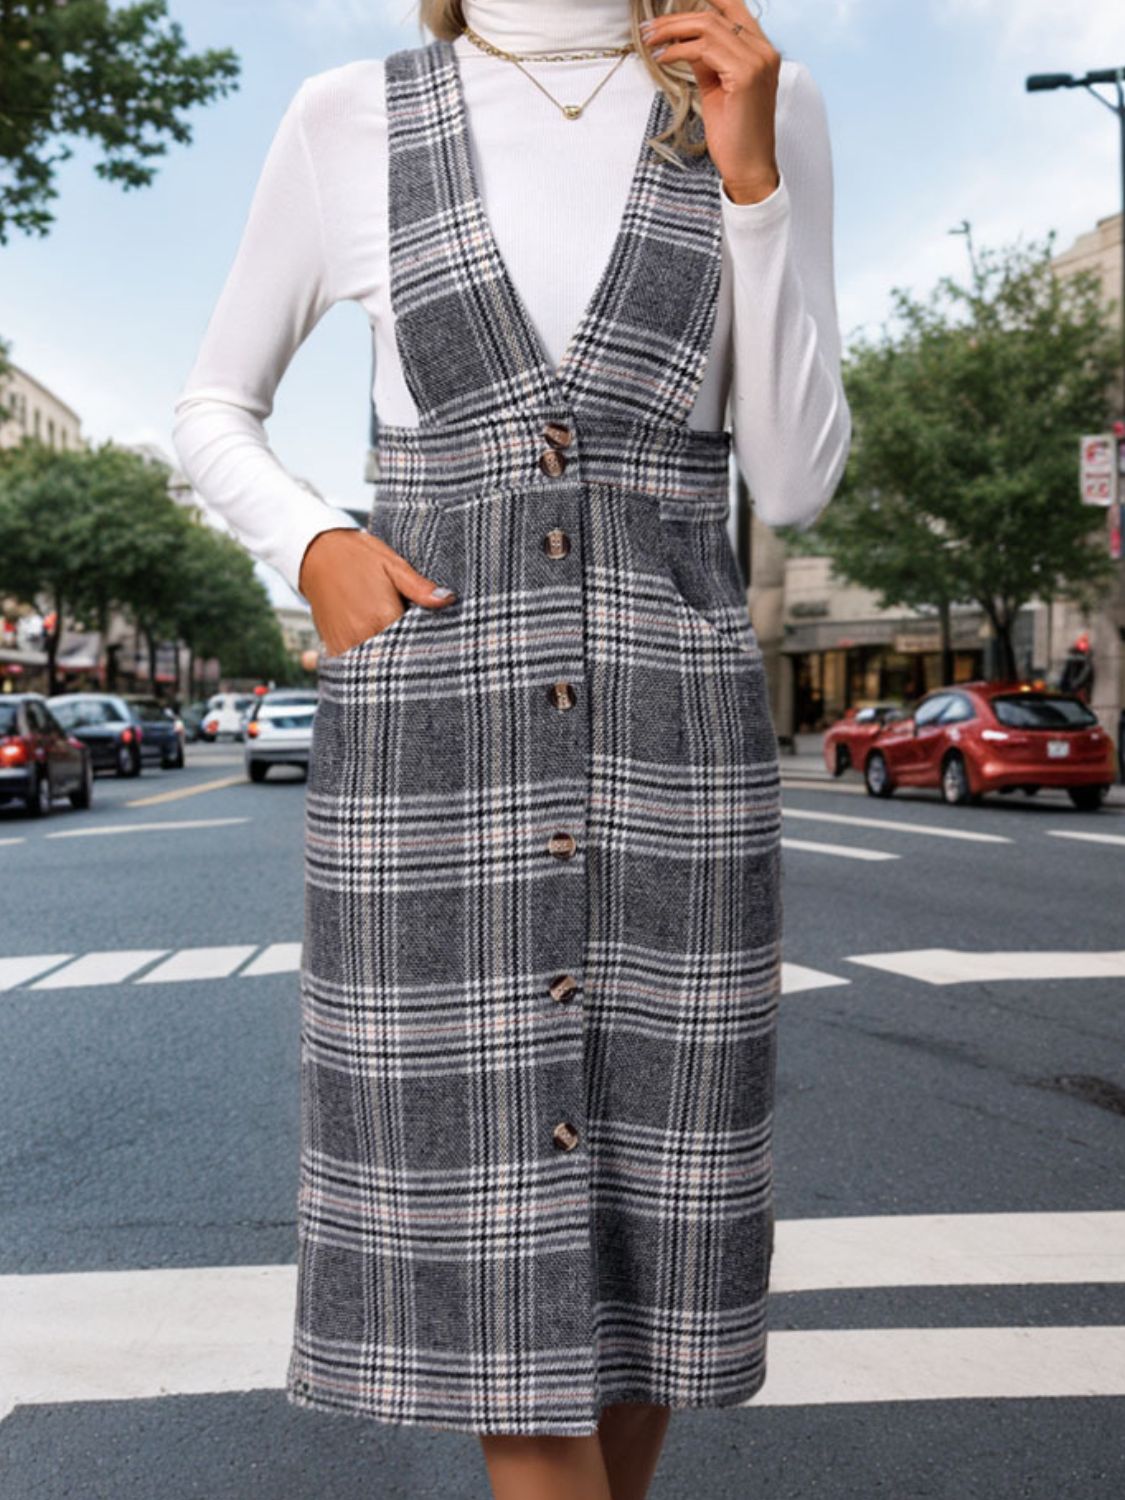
836, 665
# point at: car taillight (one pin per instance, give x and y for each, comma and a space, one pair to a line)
253, 729
14, 751
127, 735
212, 726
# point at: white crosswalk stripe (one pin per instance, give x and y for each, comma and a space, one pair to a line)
199, 963
888, 825
842, 851
110, 967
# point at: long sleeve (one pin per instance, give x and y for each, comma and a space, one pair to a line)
790, 421
277, 289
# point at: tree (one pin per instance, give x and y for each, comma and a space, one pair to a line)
96, 531
962, 483
119, 77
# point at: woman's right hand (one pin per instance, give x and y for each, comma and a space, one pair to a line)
355, 585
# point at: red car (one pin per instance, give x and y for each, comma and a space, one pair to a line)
982, 737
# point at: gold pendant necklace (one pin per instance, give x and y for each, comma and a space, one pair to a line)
569, 111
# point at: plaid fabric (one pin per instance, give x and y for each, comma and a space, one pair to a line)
517, 1202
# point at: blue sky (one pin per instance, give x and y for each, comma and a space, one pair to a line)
930, 125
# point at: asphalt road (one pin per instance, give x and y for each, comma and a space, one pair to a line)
948, 1317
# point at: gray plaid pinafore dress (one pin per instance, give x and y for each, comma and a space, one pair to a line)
542, 942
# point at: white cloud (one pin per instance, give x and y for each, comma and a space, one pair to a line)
1065, 38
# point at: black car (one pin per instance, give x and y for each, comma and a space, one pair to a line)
161, 727
39, 761
121, 736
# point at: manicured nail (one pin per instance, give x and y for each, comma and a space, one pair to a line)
656, 51
441, 592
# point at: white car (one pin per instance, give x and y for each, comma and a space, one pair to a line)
226, 714
279, 733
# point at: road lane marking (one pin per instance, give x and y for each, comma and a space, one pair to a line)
114, 966
796, 977
15, 971
957, 966
199, 963
131, 1335
897, 1250
188, 791
1093, 838
822, 784
278, 958
842, 851
828, 1368
20, 839
106, 967
931, 829
78, 833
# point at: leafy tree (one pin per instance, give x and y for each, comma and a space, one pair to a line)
5, 371
96, 531
120, 77
962, 483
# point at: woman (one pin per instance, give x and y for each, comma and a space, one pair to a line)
542, 946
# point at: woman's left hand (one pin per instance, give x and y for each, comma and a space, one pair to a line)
737, 74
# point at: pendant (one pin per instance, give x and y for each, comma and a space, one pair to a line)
572, 111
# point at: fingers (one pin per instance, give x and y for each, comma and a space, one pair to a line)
414, 585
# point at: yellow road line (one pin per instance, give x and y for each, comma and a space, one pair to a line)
187, 791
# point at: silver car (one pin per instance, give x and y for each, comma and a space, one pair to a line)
279, 733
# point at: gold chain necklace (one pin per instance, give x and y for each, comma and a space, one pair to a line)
569, 111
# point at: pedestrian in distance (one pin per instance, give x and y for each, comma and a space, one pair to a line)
541, 962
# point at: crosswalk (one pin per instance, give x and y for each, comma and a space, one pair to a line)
931, 966
132, 1335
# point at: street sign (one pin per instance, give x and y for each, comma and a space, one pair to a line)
1099, 469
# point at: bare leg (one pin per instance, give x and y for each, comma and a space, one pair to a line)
546, 1468
632, 1435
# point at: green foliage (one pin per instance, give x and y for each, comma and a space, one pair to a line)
962, 483
119, 77
96, 531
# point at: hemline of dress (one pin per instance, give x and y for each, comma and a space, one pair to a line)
312, 1400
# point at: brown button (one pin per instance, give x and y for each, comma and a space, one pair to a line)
563, 987
562, 845
552, 462
556, 543
562, 695
565, 1136
557, 434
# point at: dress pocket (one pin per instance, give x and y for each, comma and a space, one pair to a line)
414, 531
702, 573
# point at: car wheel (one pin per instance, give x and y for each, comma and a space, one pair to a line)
257, 770
876, 776
1087, 798
128, 762
843, 760
955, 781
85, 793
38, 800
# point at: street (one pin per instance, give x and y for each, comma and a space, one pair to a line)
948, 1317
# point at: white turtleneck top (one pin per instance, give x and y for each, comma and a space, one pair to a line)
554, 190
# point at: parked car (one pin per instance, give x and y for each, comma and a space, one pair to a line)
226, 714
982, 737
112, 728
160, 726
845, 742
279, 733
39, 761
192, 716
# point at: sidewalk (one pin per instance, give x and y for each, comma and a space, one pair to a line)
806, 763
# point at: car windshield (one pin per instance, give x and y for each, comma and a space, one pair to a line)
80, 711
9, 718
149, 708
1042, 711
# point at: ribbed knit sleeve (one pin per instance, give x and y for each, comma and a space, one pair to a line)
277, 289
790, 422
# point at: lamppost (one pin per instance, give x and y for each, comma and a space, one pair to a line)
1040, 83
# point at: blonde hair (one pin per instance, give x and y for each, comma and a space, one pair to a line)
446, 19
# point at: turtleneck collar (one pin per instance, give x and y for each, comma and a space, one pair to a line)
540, 25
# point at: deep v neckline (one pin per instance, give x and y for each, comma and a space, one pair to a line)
555, 377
